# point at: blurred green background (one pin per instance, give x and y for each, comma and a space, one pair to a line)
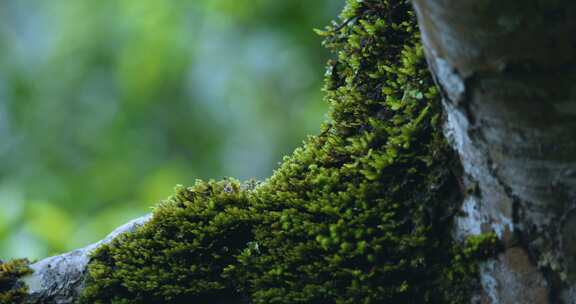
106, 105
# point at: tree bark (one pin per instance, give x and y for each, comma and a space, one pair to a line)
507, 72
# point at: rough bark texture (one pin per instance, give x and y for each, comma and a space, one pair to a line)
507, 72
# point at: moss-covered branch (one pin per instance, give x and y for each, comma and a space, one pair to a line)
361, 213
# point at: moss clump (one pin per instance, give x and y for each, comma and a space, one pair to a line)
360, 214
12, 290
182, 252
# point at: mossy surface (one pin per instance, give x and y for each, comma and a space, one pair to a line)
361, 213
12, 290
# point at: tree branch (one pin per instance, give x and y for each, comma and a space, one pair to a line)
59, 279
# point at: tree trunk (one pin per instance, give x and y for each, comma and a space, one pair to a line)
507, 73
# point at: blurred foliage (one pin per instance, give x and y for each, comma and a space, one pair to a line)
106, 105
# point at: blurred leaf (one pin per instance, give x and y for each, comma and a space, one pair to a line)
49, 222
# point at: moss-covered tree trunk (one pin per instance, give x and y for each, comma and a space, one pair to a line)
369, 210
507, 70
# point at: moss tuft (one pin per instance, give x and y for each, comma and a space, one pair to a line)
12, 290
360, 213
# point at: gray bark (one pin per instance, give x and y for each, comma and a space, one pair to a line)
59, 279
507, 71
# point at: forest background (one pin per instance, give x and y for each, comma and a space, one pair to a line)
106, 105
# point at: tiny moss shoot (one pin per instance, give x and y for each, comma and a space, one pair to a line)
361, 213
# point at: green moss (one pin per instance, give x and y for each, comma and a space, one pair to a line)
12, 290
464, 264
361, 213
182, 252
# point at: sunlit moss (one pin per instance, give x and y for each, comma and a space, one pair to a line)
361, 213
12, 290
